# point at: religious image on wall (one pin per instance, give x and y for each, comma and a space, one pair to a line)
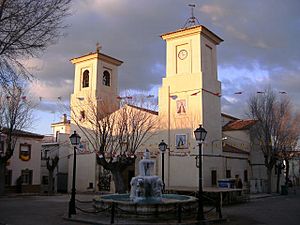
181, 141
83, 148
181, 106
25, 152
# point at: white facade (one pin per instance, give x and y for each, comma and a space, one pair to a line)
248, 161
59, 145
25, 164
101, 90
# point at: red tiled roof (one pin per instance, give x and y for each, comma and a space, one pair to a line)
239, 125
232, 149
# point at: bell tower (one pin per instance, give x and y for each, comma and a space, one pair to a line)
189, 96
95, 83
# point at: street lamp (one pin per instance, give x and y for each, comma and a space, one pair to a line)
200, 134
75, 140
162, 148
216, 140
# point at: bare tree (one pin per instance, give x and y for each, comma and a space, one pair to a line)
51, 165
15, 115
290, 130
27, 27
116, 136
273, 130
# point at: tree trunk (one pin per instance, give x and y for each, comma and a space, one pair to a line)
2, 176
50, 183
269, 181
287, 171
279, 168
118, 181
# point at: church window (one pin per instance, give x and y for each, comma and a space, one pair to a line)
106, 78
85, 79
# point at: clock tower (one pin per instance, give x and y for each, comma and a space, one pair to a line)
189, 96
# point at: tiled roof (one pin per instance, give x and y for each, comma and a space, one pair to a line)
239, 125
229, 116
232, 149
61, 123
143, 109
22, 133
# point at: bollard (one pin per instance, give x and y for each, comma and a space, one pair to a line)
179, 211
112, 218
218, 206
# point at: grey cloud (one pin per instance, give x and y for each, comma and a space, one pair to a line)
261, 34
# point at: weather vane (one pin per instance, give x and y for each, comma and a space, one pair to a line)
191, 21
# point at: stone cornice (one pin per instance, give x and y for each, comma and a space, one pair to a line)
193, 30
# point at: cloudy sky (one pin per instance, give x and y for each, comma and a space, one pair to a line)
260, 48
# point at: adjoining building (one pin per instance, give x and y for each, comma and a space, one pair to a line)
23, 168
57, 144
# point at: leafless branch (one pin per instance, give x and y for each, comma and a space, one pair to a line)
27, 28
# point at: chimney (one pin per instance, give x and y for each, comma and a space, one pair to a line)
64, 118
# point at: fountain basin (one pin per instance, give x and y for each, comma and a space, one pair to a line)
166, 203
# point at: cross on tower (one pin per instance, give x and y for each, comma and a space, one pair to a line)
191, 21
192, 11
98, 47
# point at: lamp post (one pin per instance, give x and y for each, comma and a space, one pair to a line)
162, 148
2, 144
200, 134
75, 140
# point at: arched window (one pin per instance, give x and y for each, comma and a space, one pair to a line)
85, 79
106, 78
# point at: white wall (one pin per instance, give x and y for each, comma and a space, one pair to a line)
34, 164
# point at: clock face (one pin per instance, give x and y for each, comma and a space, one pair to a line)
182, 54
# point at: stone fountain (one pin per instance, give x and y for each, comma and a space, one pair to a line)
146, 187
146, 196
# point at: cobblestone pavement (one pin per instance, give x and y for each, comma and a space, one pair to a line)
50, 210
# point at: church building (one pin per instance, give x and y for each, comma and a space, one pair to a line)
190, 95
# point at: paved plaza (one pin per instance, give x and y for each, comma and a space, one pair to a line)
50, 210
278, 210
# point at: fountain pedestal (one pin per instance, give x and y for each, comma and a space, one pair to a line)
146, 187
